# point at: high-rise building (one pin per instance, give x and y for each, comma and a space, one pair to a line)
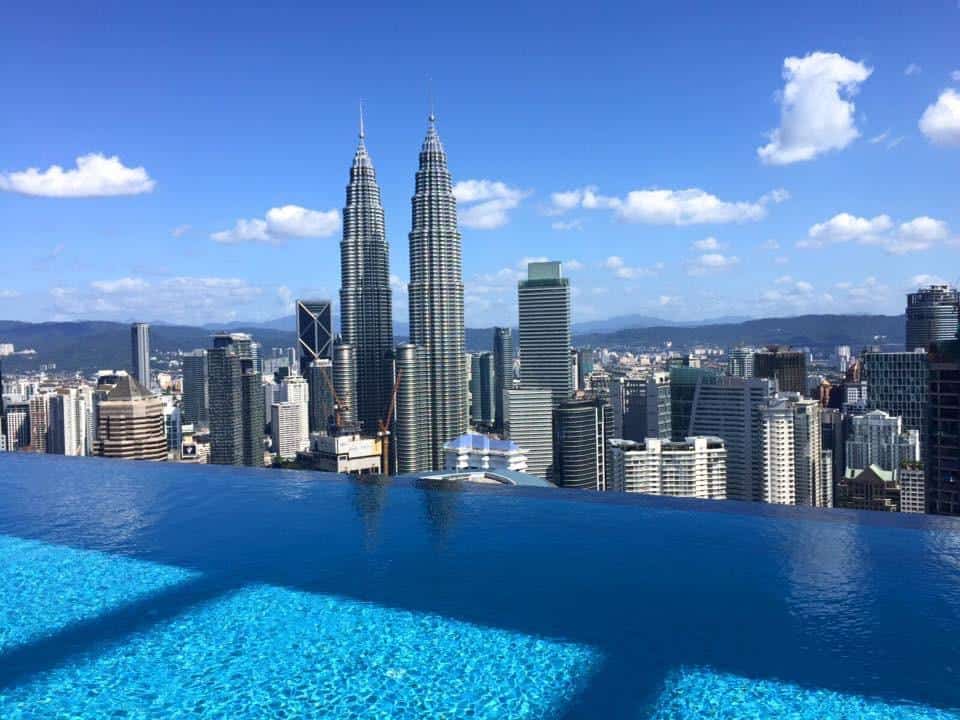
366, 306
17, 425
39, 421
130, 422
482, 392
195, 388
897, 383
528, 421
436, 296
789, 367
730, 408
345, 382
943, 457
140, 353
833, 432
583, 427
912, 489
683, 389
695, 467
411, 433
314, 330
933, 314
544, 307
288, 429
740, 362
66, 431
877, 438
503, 371
584, 367
319, 377
641, 406
236, 401
794, 472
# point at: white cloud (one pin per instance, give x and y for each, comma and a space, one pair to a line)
941, 121
180, 230
691, 206
912, 236
709, 243
563, 225
770, 245
286, 299
711, 263
95, 175
816, 113
622, 270
879, 138
912, 69
572, 265
280, 223
485, 204
781, 260
125, 284
6, 294
955, 76
870, 292
790, 293
925, 279
398, 284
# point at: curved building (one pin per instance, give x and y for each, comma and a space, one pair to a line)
366, 310
411, 433
345, 382
130, 423
436, 296
582, 430
933, 315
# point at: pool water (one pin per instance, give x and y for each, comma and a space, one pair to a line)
141, 591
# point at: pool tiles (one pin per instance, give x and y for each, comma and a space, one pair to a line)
44, 587
704, 695
266, 651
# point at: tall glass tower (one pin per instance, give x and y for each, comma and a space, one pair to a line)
436, 295
366, 310
140, 353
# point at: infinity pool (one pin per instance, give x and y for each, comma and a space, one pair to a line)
141, 591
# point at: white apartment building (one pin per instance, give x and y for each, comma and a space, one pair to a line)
289, 429
474, 451
794, 471
692, 468
878, 438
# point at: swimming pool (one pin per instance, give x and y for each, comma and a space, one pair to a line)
155, 590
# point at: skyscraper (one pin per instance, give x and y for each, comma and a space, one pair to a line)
345, 382
366, 308
544, 306
789, 367
943, 458
436, 295
695, 467
528, 421
140, 353
195, 388
582, 429
482, 383
878, 438
933, 314
236, 401
740, 362
411, 433
130, 423
319, 376
794, 472
641, 406
502, 369
314, 330
897, 383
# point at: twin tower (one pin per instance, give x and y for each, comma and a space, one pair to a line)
431, 404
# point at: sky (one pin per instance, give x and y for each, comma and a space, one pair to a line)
186, 162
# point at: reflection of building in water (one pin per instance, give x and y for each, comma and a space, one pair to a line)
369, 501
348, 453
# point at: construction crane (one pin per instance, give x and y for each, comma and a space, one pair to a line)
384, 427
336, 399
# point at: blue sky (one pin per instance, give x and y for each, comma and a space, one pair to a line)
687, 162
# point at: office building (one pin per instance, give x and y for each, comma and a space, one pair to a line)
528, 421
482, 390
39, 421
236, 401
833, 438
66, 430
942, 460
474, 451
694, 468
16, 417
641, 406
793, 462
172, 426
436, 297
683, 390
584, 367
130, 422
196, 401
583, 427
730, 408
912, 489
346, 453
933, 315
410, 443
345, 383
788, 367
140, 354
544, 307
740, 362
288, 429
366, 304
897, 383
314, 330
877, 438
502, 371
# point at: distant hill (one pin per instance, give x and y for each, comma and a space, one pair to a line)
625, 322
91, 345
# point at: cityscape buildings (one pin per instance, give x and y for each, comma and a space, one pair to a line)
544, 312
436, 298
474, 451
236, 401
897, 384
933, 315
943, 457
583, 427
130, 422
877, 438
366, 304
503, 371
140, 353
482, 389
195, 403
528, 421
794, 472
695, 467
788, 367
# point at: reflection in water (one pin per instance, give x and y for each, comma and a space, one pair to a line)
942, 554
369, 501
441, 501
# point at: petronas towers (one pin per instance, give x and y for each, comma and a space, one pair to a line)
430, 369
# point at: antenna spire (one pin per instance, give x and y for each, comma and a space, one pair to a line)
362, 134
432, 117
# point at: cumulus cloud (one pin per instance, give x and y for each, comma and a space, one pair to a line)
125, 284
563, 225
281, 223
572, 265
940, 122
711, 263
918, 234
692, 206
709, 243
486, 204
622, 270
816, 111
869, 292
789, 292
95, 175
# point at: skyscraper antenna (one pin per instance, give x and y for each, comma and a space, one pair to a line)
362, 134
432, 117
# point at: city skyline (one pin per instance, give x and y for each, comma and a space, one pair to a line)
658, 203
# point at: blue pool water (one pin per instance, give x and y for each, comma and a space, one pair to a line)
141, 591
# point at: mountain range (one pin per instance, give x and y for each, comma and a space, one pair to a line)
92, 345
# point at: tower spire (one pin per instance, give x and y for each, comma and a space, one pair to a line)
362, 133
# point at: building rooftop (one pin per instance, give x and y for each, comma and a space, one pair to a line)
478, 441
